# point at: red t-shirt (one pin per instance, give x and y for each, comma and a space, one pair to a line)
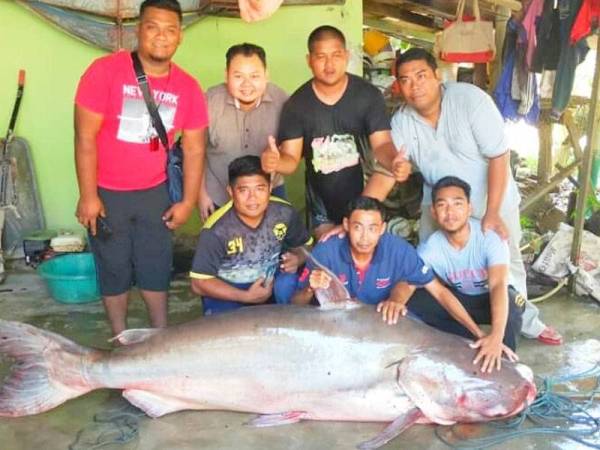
125, 157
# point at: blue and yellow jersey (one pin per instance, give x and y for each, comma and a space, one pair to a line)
236, 253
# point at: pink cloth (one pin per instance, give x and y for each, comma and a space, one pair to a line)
125, 157
534, 10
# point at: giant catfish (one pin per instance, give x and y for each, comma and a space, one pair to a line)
285, 363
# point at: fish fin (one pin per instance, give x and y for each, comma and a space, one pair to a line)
273, 420
134, 336
154, 405
336, 296
400, 424
47, 370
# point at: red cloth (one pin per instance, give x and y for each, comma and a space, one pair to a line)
587, 17
125, 157
361, 273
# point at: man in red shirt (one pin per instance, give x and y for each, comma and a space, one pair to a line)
121, 164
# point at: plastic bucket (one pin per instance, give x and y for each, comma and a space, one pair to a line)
71, 278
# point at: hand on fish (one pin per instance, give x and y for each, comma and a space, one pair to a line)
391, 310
395, 306
259, 292
490, 352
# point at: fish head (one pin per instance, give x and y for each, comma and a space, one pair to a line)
449, 388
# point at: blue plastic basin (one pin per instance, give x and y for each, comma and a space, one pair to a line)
71, 278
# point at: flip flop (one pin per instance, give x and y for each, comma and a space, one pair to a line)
550, 337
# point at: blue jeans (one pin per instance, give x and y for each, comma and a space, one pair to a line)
284, 286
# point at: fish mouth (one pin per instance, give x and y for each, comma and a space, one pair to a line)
524, 404
525, 371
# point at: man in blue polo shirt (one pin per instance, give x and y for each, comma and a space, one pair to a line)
375, 268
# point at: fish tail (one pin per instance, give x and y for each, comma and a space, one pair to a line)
48, 369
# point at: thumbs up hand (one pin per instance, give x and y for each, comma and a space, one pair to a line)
270, 157
401, 166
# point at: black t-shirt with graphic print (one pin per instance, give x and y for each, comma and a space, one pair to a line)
232, 251
335, 140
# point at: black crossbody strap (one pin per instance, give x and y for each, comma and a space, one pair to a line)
152, 109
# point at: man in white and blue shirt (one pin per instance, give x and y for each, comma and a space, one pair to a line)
446, 129
473, 264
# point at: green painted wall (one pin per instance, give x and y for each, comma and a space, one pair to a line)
54, 61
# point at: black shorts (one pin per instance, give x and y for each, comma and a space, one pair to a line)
317, 213
139, 250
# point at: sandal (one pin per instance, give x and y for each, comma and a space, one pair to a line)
550, 337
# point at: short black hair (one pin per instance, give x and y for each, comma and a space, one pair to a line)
169, 5
324, 32
247, 50
244, 166
366, 204
416, 54
450, 181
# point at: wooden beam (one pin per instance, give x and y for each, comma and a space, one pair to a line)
585, 173
545, 166
511, 4
447, 9
408, 19
500, 22
401, 29
541, 191
574, 137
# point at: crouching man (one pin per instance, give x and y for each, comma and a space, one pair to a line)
475, 265
379, 268
249, 249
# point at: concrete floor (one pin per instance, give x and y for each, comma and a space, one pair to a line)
72, 425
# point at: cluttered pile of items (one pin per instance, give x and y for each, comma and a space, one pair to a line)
68, 270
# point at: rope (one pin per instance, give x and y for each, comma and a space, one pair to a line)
558, 414
114, 426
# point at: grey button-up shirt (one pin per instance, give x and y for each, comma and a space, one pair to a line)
234, 133
470, 131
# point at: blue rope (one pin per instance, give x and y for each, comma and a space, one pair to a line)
558, 414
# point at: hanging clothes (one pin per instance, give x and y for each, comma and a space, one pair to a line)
587, 19
571, 55
532, 14
516, 91
547, 52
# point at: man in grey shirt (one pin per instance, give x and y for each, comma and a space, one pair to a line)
244, 111
455, 129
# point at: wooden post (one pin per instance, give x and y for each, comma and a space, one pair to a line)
500, 20
586, 171
544, 167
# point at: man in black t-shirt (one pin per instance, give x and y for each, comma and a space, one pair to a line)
249, 249
333, 121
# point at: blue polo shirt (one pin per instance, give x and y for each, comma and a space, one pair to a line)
394, 260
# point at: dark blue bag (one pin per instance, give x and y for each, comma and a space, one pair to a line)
174, 167
175, 172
